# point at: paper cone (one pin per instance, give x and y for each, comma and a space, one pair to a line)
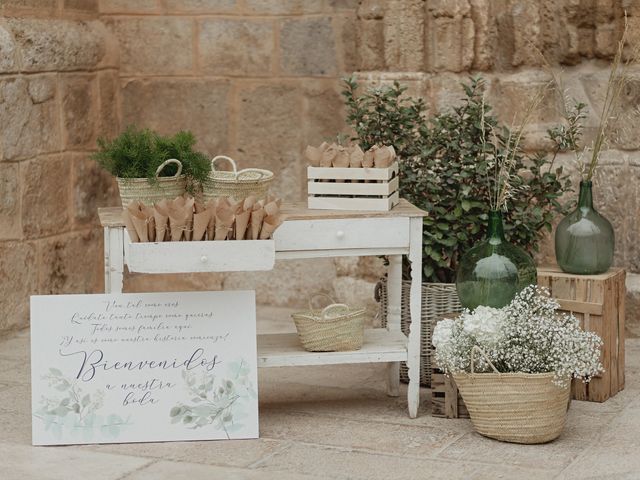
314, 155
269, 225
383, 157
200, 223
242, 220
211, 206
128, 222
224, 220
341, 160
329, 155
271, 208
161, 218
178, 218
355, 157
368, 158
188, 213
256, 221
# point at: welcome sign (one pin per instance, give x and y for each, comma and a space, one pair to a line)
143, 367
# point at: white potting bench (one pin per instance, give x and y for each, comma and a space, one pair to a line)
304, 234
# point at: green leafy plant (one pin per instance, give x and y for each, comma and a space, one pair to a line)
137, 153
445, 170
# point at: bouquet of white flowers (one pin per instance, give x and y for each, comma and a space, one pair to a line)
527, 336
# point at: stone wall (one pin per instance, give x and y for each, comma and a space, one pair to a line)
258, 80
58, 82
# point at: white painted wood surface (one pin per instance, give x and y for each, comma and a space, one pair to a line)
203, 256
336, 173
415, 305
364, 203
333, 188
342, 233
285, 350
320, 233
113, 259
394, 291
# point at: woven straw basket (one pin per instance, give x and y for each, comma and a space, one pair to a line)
438, 300
335, 328
164, 187
514, 407
236, 184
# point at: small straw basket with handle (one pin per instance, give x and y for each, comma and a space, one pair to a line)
334, 328
236, 184
163, 187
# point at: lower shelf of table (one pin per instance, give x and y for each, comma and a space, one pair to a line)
285, 350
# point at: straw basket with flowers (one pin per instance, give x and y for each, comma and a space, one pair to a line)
514, 365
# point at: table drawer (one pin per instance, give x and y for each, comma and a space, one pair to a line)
201, 256
345, 233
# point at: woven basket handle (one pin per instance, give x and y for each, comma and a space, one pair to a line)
251, 170
319, 295
324, 315
483, 355
167, 162
228, 159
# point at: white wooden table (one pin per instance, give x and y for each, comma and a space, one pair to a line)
307, 234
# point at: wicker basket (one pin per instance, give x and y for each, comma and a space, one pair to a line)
335, 328
514, 407
164, 187
236, 184
438, 299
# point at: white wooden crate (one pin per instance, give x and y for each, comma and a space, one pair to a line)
199, 256
374, 189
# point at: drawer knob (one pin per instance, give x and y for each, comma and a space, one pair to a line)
340, 234
204, 259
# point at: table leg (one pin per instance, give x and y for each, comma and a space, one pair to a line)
394, 291
415, 304
113, 259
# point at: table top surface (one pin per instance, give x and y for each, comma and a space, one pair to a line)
112, 216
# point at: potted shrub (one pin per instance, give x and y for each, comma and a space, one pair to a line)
150, 167
514, 365
444, 171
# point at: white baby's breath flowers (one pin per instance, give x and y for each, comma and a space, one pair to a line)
529, 335
484, 323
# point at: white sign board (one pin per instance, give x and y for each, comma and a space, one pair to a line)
143, 367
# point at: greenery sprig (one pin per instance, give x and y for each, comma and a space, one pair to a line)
137, 153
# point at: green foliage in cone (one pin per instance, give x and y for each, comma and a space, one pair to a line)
137, 153
444, 170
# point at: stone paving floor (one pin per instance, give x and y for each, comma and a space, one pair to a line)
332, 422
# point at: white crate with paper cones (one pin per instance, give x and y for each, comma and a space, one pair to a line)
346, 178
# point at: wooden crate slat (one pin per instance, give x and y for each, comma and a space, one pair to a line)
341, 203
333, 173
370, 189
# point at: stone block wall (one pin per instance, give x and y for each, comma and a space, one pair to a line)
58, 82
259, 80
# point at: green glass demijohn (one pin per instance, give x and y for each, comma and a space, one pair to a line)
494, 271
584, 238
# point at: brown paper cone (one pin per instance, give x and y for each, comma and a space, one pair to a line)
269, 226
211, 206
341, 160
140, 225
188, 212
329, 155
314, 155
355, 157
383, 157
242, 220
200, 223
177, 220
367, 158
128, 222
271, 208
224, 220
256, 221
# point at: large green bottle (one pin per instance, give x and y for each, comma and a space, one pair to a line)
494, 271
584, 239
